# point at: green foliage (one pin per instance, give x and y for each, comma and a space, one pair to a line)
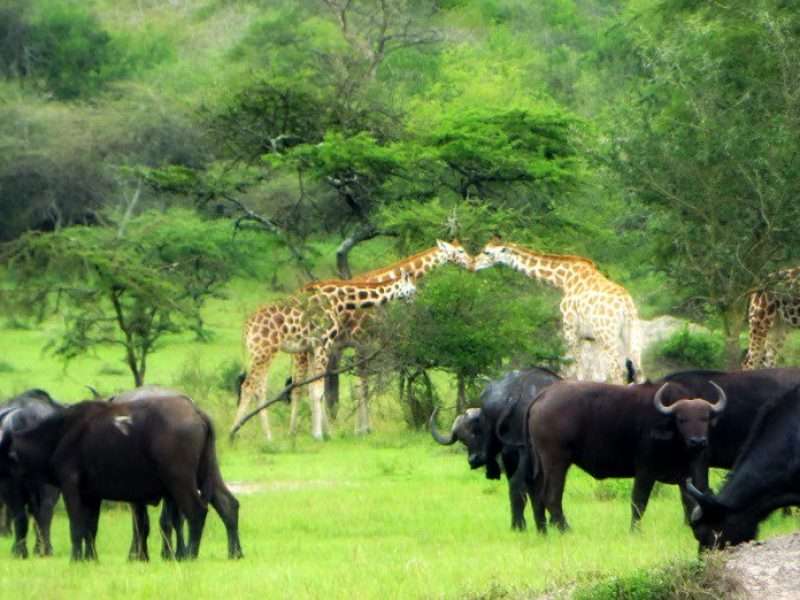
64, 50
695, 580
693, 350
129, 286
471, 325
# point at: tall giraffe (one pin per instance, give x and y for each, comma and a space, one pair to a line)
354, 324
308, 323
593, 308
770, 313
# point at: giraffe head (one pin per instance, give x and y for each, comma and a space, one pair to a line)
493, 252
454, 252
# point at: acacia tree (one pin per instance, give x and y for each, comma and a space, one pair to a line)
127, 287
708, 143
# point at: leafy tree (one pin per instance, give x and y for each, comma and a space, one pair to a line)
708, 142
472, 325
129, 286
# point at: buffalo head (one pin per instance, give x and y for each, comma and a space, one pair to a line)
693, 416
468, 430
715, 525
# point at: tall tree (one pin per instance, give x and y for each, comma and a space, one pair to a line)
707, 140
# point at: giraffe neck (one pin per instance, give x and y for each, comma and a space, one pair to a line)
352, 295
563, 272
416, 265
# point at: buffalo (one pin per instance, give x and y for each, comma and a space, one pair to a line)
498, 428
747, 392
22, 496
765, 477
137, 452
648, 432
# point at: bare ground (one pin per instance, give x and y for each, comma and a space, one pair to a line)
768, 569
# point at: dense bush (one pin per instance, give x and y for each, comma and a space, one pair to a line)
695, 350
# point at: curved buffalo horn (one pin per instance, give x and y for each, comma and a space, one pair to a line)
722, 399
442, 439
95, 394
694, 492
664, 410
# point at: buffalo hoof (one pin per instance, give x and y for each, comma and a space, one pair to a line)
235, 554
46, 550
20, 550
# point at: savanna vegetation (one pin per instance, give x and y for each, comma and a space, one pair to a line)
166, 166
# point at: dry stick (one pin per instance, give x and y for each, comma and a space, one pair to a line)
284, 393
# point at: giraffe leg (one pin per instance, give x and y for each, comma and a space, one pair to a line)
573, 347
299, 373
774, 344
319, 425
612, 356
362, 409
761, 320
254, 388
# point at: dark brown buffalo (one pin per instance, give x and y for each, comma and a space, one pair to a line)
137, 452
21, 496
648, 432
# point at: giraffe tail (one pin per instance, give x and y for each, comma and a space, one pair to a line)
240, 378
630, 371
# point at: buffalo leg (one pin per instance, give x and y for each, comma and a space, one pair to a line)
554, 479
227, 507
141, 531
47, 498
171, 520
5, 519
15, 502
517, 494
92, 520
189, 503
642, 488
78, 519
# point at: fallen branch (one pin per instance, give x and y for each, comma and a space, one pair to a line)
284, 393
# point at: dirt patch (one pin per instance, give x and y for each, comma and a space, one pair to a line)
256, 487
768, 569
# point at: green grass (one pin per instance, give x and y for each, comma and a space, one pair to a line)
392, 515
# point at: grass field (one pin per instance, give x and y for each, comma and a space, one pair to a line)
392, 515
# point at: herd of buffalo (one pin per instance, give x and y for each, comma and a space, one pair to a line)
154, 445
670, 431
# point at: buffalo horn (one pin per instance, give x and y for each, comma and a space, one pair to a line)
442, 439
95, 394
665, 410
694, 492
722, 400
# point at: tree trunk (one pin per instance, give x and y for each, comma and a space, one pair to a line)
332, 384
461, 396
362, 234
733, 323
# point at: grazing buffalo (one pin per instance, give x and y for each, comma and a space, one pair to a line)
22, 496
766, 476
137, 452
648, 432
498, 428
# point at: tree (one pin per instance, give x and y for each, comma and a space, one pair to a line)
471, 325
128, 287
708, 143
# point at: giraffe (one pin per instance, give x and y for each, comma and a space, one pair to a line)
308, 323
770, 313
355, 323
593, 308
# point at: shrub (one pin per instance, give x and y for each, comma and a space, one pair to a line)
697, 350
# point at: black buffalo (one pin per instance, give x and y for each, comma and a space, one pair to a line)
24, 497
497, 428
137, 452
766, 476
648, 432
